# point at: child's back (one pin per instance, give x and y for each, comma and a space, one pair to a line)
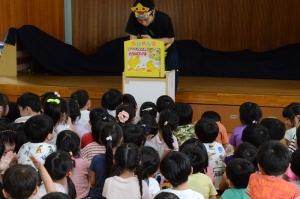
207, 130
38, 130
69, 142
126, 186
176, 168
84, 102
273, 160
198, 181
238, 172
250, 113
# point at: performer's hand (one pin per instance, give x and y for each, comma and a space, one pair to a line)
146, 36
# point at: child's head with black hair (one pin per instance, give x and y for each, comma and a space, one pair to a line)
166, 195
29, 104
246, 151
164, 102
125, 114
83, 99
185, 113
167, 123
46, 95
20, 181
97, 123
13, 112
198, 157
69, 142
56, 195
4, 105
176, 168
74, 111
288, 114
111, 99
95, 112
149, 126
238, 172
275, 127
255, 134
129, 99
273, 158
206, 130
148, 108
58, 109
193, 141
150, 162
59, 166
133, 134
19, 128
295, 163
111, 136
250, 113
39, 129
296, 111
212, 115
8, 136
128, 158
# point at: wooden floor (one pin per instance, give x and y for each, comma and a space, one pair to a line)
193, 90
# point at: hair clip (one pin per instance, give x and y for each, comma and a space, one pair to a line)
123, 116
146, 129
57, 101
56, 93
254, 122
104, 118
166, 122
108, 138
147, 109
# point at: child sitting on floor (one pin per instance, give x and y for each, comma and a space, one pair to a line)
127, 185
198, 181
38, 130
250, 113
176, 168
207, 131
84, 102
273, 159
29, 105
238, 172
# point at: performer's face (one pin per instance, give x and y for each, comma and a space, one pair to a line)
146, 22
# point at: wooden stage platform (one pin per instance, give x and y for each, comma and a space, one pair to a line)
193, 90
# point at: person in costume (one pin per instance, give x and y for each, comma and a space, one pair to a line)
147, 23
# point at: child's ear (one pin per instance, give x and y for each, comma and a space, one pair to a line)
260, 169
90, 122
191, 171
121, 141
5, 194
35, 191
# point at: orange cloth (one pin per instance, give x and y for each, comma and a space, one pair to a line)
264, 186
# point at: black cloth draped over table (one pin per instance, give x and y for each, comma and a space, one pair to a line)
52, 55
